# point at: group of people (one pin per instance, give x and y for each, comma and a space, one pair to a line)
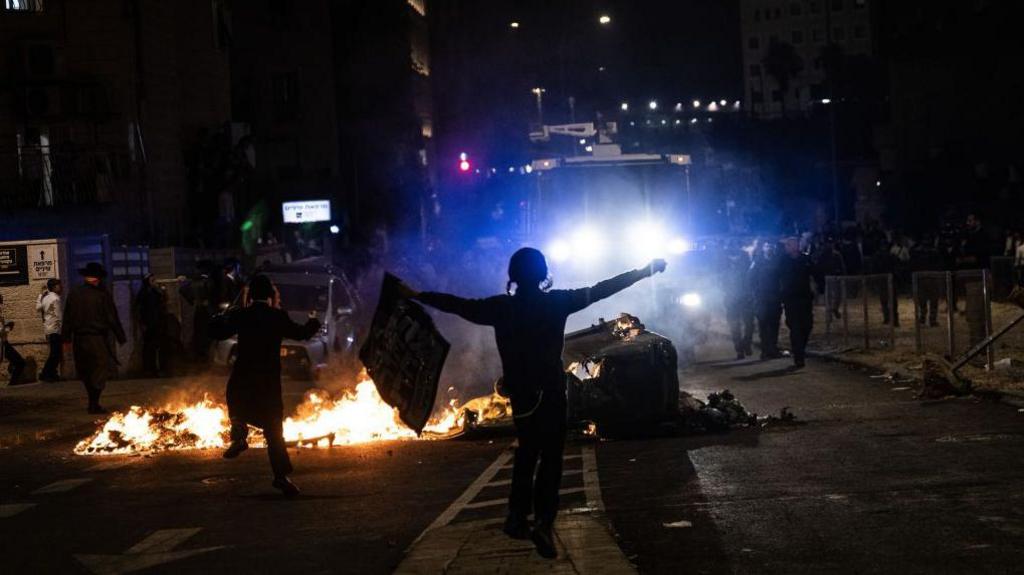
762, 285
49, 305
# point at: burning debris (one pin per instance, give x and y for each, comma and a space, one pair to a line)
320, 420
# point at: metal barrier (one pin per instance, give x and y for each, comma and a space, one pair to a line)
960, 329
848, 303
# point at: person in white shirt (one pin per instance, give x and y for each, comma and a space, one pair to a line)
51, 309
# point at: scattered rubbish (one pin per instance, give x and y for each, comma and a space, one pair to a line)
677, 524
938, 379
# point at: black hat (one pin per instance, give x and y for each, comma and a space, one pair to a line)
527, 266
260, 287
93, 270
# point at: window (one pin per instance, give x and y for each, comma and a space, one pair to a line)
837, 5
756, 96
838, 34
753, 43
776, 96
794, 10
755, 70
757, 15
813, 7
817, 63
797, 37
778, 13
858, 4
816, 36
23, 5
858, 31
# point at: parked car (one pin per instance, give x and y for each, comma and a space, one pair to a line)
306, 289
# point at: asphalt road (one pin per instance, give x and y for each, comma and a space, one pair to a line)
873, 481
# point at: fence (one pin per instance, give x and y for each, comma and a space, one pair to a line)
861, 311
952, 312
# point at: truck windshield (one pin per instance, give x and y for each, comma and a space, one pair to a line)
303, 297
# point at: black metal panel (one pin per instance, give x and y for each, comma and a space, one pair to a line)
404, 354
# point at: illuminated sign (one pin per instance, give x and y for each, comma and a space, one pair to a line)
306, 211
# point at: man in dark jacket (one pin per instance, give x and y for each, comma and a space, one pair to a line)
151, 305
90, 320
764, 278
739, 304
254, 388
795, 271
529, 327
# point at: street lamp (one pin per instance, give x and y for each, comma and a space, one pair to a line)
539, 92
605, 19
696, 103
653, 104
514, 25
624, 106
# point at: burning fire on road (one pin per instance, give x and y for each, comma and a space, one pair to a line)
320, 420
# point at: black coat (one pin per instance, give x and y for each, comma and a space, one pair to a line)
254, 388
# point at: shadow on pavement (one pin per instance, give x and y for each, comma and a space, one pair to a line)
770, 374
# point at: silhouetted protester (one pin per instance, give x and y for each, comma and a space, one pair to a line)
830, 263
739, 304
15, 363
795, 271
764, 278
199, 293
231, 283
925, 257
529, 327
151, 303
254, 388
51, 311
90, 320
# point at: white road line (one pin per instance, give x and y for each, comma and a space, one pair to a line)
502, 482
468, 495
62, 486
12, 509
162, 540
493, 502
566, 458
591, 485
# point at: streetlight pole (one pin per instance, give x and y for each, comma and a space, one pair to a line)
539, 92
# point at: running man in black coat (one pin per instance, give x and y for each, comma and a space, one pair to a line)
529, 327
254, 388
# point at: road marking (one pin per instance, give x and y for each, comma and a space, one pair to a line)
566, 458
493, 502
468, 495
108, 465
591, 484
503, 482
156, 549
12, 509
62, 486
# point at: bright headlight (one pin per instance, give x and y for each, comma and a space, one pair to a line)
559, 251
587, 244
678, 246
691, 299
646, 240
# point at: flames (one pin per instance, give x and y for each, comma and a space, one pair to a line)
359, 416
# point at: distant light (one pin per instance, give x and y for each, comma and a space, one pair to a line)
653, 104
878, 183
678, 121
335, 229
463, 156
600, 68
693, 120
646, 240
632, 123
696, 103
826, 100
679, 106
664, 122
605, 19
587, 244
713, 107
547, 163
722, 102
589, 148
511, 169
624, 106
528, 168
464, 166
678, 246
736, 105
691, 299
514, 25
559, 251
247, 225
583, 141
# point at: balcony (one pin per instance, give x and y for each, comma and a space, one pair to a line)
51, 177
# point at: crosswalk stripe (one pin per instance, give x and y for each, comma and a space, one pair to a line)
493, 502
502, 482
12, 509
566, 458
62, 486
